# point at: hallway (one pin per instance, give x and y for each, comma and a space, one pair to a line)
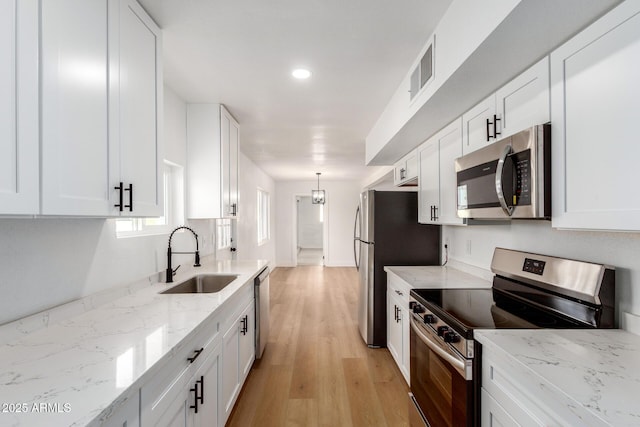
316, 370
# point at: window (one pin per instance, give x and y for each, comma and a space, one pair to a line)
263, 216
223, 233
173, 181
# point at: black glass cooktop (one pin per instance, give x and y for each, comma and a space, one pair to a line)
468, 309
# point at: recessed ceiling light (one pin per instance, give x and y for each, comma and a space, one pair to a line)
301, 73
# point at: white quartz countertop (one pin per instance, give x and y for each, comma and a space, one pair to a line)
590, 373
87, 366
437, 277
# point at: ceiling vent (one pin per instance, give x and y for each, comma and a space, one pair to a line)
423, 73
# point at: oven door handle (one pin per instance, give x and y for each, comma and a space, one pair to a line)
499, 172
456, 362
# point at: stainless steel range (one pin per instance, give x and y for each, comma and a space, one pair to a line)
529, 291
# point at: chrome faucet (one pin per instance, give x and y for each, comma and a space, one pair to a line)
170, 271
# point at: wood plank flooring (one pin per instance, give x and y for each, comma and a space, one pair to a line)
316, 370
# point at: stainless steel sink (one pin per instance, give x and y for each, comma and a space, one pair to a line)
202, 284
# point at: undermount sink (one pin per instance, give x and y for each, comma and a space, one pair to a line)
202, 284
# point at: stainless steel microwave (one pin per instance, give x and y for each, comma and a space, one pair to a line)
510, 178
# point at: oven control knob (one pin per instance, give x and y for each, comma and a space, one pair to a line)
418, 309
450, 336
412, 304
430, 318
442, 330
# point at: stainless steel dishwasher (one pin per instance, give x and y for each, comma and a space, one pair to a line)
261, 286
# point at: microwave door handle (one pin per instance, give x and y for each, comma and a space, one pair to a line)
499, 175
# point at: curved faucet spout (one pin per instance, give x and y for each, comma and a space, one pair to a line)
171, 272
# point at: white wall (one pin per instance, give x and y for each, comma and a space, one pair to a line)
310, 229
620, 250
252, 178
341, 203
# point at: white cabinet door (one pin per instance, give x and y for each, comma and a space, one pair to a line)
19, 163
230, 134
213, 137
428, 182
595, 94
450, 144
247, 353
206, 379
478, 126
230, 369
524, 101
394, 329
494, 415
136, 96
75, 144
404, 315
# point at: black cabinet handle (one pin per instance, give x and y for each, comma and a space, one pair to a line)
198, 397
435, 213
245, 325
495, 126
195, 356
398, 318
395, 312
120, 188
234, 209
488, 131
402, 173
130, 190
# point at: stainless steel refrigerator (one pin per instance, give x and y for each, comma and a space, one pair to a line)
386, 232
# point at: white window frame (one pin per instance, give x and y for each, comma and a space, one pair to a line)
173, 182
263, 216
223, 233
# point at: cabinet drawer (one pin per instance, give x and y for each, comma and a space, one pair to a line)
162, 390
399, 289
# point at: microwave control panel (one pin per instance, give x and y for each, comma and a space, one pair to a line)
522, 163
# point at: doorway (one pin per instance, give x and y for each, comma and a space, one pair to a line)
309, 232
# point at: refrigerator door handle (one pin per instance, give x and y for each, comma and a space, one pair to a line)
355, 225
356, 239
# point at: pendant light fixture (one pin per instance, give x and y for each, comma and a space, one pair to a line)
317, 196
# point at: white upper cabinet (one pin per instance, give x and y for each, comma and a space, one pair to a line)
405, 171
521, 103
213, 138
101, 97
524, 101
595, 103
75, 126
19, 163
437, 202
479, 125
138, 91
429, 181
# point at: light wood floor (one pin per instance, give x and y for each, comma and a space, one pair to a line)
316, 370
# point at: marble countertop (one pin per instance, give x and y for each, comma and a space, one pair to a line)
437, 277
589, 374
88, 365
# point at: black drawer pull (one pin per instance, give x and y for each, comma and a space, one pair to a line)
195, 356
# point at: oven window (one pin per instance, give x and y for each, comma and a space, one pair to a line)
442, 393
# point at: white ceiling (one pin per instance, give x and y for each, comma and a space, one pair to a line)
241, 53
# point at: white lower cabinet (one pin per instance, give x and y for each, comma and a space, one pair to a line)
494, 415
398, 316
595, 95
238, 355
201, 384
126, 416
